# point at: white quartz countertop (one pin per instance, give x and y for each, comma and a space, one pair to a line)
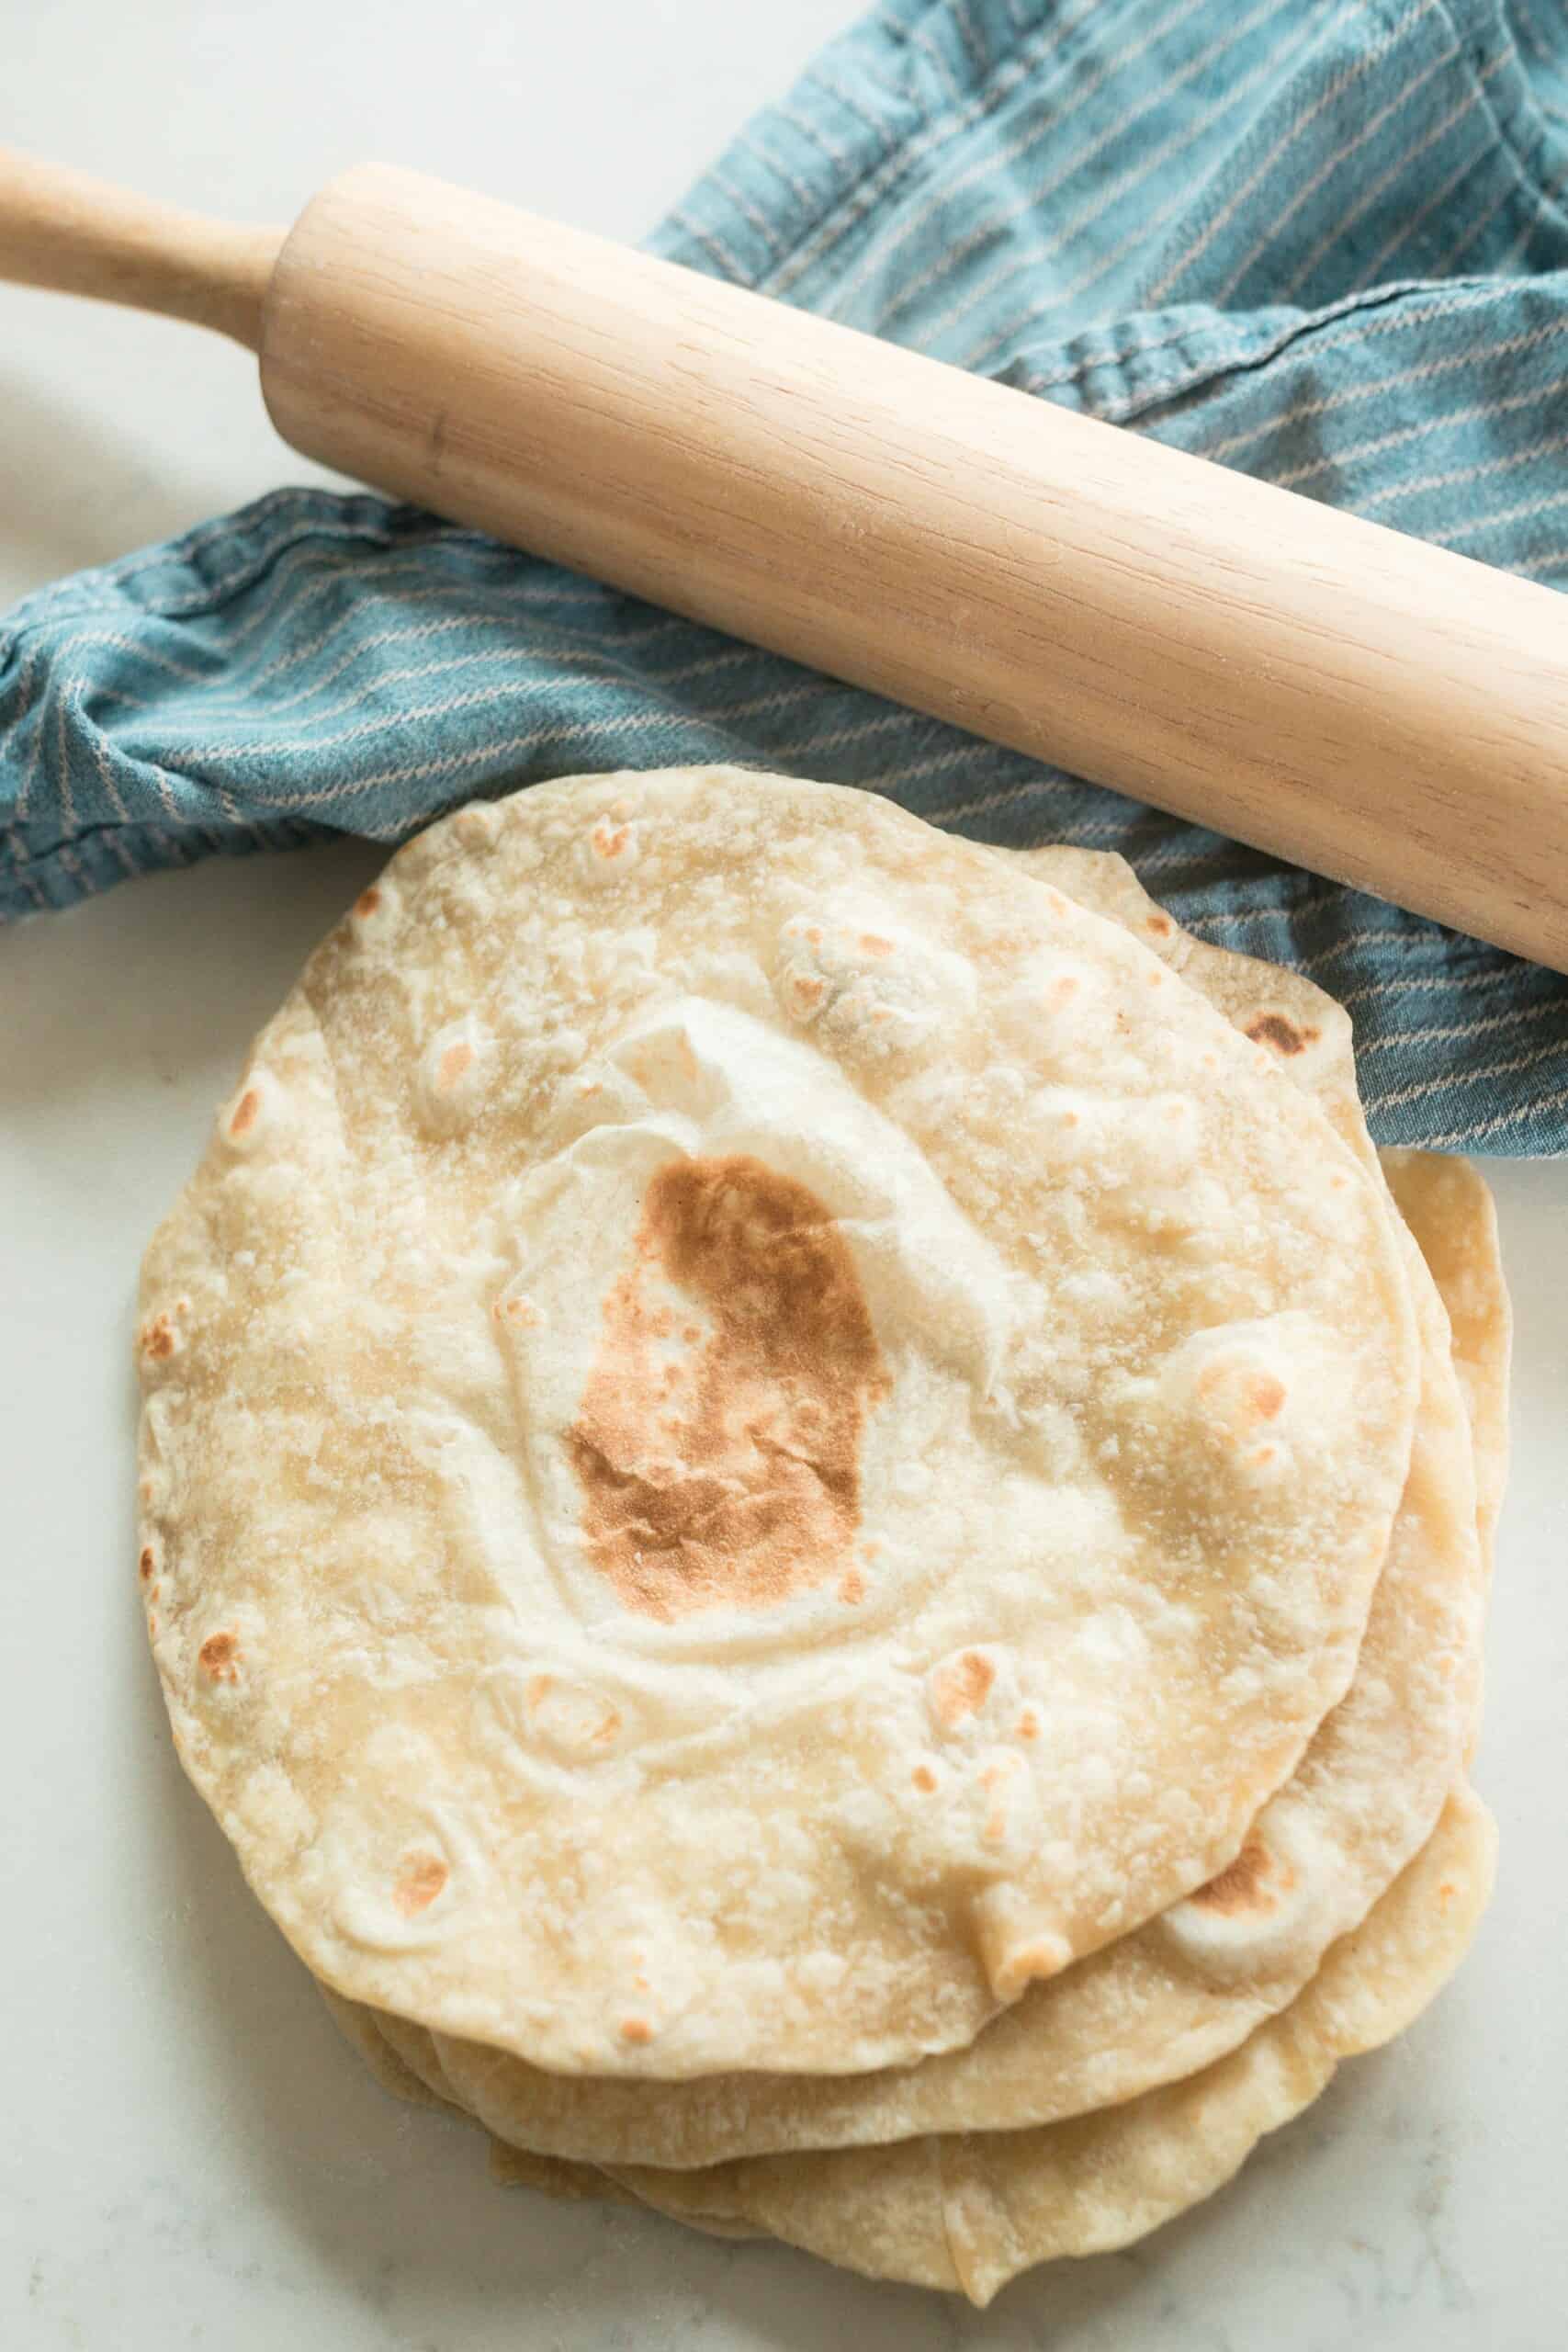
191, 2156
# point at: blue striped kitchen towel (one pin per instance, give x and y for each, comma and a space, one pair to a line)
1322, 240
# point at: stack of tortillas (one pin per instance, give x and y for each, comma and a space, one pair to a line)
819, 1523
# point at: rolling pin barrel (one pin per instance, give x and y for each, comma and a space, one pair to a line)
1370, 706
1376, 708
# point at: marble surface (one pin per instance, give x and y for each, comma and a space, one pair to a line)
191, 2156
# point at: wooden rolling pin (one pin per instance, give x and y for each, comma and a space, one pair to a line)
1386, 712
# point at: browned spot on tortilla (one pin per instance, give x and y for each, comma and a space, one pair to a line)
751, 1492
1029, 1725
852, 1586
246, 1112
1161, 924
923, 1778
454, 1062
961, 1686
610, 840
808, 988
875, 944
539, 1688
636, 2029
367, 902
1274, 1029
1251, 1882
158, 1339
420, 1884
607, 1726
217, 1654
996, 1779
1239, 1402
147, 1562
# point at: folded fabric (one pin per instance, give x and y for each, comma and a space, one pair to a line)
1323, 241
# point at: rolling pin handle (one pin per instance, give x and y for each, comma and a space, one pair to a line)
74, 234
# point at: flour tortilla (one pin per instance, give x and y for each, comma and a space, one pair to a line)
1449, 1206
1090, 1447
969, 2212
1162, 2002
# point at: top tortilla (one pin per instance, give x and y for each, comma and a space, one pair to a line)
756, 1432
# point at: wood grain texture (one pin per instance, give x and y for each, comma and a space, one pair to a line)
64, 229
1379, 710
